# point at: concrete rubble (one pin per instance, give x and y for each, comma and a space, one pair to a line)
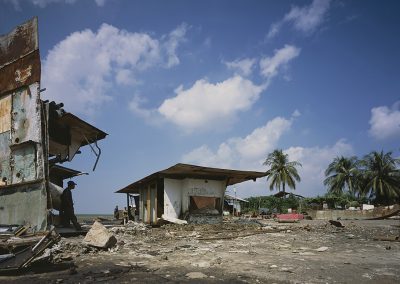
237, 251
99, 236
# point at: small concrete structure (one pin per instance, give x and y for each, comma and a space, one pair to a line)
233, 204
187, 192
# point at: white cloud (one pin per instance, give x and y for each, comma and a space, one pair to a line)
150, 115
274, 29
174, 39
242, 67
385, 122
304, 19
296, 113
314, 162
100, 3
44, 3
269, 66
81, 69
247, 152
205, 103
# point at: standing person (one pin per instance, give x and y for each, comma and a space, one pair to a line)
116, 213
67, 207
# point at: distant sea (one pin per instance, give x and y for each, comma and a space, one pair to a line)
92, 217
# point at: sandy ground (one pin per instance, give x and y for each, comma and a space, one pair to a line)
237, 251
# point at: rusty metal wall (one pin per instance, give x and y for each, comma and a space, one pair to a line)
23, 186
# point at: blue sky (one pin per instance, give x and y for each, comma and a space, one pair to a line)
218, 83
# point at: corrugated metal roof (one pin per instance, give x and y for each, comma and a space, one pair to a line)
181, 171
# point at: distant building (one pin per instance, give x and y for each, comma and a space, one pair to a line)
234, 204
183, 191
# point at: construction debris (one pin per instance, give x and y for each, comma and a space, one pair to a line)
22, 251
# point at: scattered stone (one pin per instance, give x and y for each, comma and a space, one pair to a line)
273, 266
99, 236
201, 264
196, 275
336, 223
285, 269
322, 249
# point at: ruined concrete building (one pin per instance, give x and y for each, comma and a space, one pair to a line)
184, 191
35, 135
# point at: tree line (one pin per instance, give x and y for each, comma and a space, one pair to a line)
375, 177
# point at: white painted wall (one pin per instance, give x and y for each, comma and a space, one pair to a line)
172, 197
199, 187
177, 193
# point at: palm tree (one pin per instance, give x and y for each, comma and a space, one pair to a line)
382, 175
281, 171
343, 173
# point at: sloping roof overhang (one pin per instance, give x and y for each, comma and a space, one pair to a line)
89, 132
182, 171
64, 172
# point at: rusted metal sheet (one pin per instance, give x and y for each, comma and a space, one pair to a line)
22, 72
20, 42
5, 114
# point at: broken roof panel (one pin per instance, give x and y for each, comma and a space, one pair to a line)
181, 171
87, 130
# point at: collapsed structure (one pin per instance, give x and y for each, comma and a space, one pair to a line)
185, 191
35, 137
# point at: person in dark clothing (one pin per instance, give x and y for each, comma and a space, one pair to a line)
116, 213
67, 207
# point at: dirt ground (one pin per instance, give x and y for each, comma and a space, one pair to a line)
237, 251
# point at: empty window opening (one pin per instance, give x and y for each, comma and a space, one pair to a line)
204, 205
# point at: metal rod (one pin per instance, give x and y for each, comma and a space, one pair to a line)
97, 154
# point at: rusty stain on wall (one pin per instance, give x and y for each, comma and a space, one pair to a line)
9, 72
19, 42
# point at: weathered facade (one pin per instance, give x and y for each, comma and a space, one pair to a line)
35, 135
22, 133
187, 192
